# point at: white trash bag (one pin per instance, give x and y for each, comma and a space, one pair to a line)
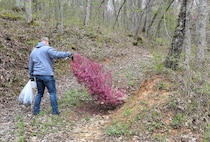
26, 95
33, 84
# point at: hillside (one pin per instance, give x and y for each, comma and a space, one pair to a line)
152, 112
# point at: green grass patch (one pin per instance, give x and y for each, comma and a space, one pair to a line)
74, 98
207, 134
118, 129
157, 63
178, 120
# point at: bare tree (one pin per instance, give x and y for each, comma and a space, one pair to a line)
114, 6
148, 16
187, 46
28, 8
19, 5
145, 16
118, 13
163, 11
173, 56
188, 36
103, 6
87, 15
201, 33
37, 5
61, 16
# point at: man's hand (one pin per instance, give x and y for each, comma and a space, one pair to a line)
32, 78
72, 57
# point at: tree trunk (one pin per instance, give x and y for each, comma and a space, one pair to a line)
173, 56
146, 15
148, 18
19, 5
201, 33
28, 6
187, 42
118, 13
139, 19
162, 17
37, 5
61, 16
103, 6
87, 15
188, 37
115, 10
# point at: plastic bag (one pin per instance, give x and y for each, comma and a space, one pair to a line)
26, 95
33, 84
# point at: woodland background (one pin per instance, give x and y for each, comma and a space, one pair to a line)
174, 32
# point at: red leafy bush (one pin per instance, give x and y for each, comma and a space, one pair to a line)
97, 81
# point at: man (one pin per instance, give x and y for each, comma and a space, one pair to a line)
40, 67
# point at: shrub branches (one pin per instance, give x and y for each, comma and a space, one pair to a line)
97, 81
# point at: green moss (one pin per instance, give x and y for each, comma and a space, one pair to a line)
10, 16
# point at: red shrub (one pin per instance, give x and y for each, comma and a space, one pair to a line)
97, 81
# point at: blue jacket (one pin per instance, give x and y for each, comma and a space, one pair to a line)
41, 57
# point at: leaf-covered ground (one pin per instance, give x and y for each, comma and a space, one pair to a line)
145, 116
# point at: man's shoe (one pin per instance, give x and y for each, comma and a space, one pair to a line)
35, 113
56, 113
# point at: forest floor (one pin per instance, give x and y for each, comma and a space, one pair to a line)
78, 124
83, 121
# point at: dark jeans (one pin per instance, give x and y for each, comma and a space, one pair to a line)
43, 81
